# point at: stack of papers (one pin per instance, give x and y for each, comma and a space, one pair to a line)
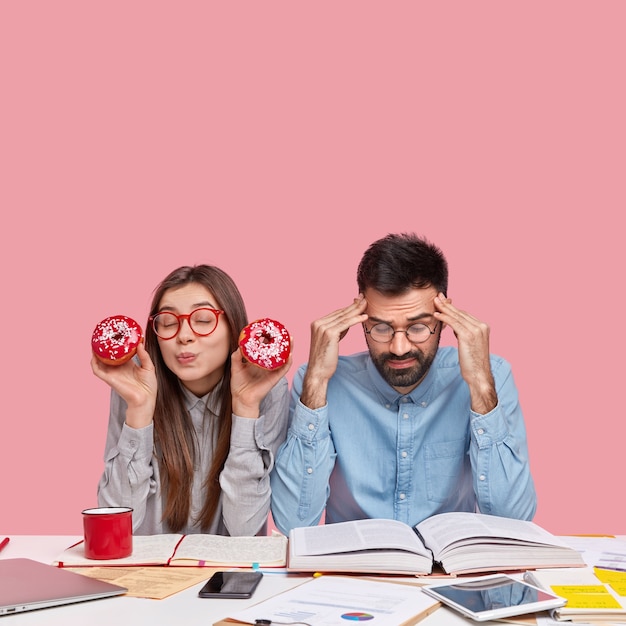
592, 594
339, 600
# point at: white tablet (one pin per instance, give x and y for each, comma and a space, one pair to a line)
492, 597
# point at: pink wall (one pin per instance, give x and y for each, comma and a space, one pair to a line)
277, 140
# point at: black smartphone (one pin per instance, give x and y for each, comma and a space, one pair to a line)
231, 585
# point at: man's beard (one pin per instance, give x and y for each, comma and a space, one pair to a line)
408, 376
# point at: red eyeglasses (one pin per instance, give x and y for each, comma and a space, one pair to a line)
202, 322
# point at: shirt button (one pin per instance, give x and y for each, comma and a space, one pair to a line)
405, 400
309, 470
405, 416
423, 404
402, 496
482, 477
404, 454
481, 431
132, 443
311, 426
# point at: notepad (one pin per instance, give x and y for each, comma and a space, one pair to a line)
592, 594
199, 550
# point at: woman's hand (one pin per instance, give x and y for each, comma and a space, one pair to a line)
135, 383
249, 383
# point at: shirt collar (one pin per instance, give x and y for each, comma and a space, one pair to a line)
210, 400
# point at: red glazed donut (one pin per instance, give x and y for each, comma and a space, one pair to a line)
265, 343
115, 339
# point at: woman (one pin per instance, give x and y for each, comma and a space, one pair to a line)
193, 431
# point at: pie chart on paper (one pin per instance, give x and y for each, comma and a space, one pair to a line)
357, 617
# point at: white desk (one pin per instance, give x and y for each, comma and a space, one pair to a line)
181, 608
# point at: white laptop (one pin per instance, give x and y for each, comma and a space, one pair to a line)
26, 585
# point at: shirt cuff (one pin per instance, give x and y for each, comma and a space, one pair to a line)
243, 431
310, 424
137, 442
489, 428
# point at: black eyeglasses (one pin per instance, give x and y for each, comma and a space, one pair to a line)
202, 322
416, 333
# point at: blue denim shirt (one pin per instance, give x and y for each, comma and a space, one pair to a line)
372, 452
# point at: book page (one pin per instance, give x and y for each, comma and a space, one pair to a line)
147, 550
265, 551
440, 531
365, 534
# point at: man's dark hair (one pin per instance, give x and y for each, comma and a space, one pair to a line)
399, 262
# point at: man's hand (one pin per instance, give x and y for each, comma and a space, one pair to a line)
473, 339
326, 333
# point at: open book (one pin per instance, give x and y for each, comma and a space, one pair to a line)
191, 550
458, 543
593, 594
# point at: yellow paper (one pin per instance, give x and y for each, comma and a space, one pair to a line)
591, 601
567, 590
619, 588
609, 575
586, 596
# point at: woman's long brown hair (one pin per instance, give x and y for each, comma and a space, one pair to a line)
175, 442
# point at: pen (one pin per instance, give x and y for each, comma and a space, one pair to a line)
4, 542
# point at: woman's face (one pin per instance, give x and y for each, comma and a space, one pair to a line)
197, 361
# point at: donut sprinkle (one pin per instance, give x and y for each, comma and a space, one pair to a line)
114, 337
265, 343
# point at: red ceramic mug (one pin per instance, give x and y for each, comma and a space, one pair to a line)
108, 532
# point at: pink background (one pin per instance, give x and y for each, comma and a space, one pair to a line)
277, 140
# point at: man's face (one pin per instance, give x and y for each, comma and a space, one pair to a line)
401, 363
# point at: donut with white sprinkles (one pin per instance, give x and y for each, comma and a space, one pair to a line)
266, 343
115, 339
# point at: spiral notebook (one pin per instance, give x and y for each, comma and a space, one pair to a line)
28, 585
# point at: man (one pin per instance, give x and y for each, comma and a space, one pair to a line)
407, 429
